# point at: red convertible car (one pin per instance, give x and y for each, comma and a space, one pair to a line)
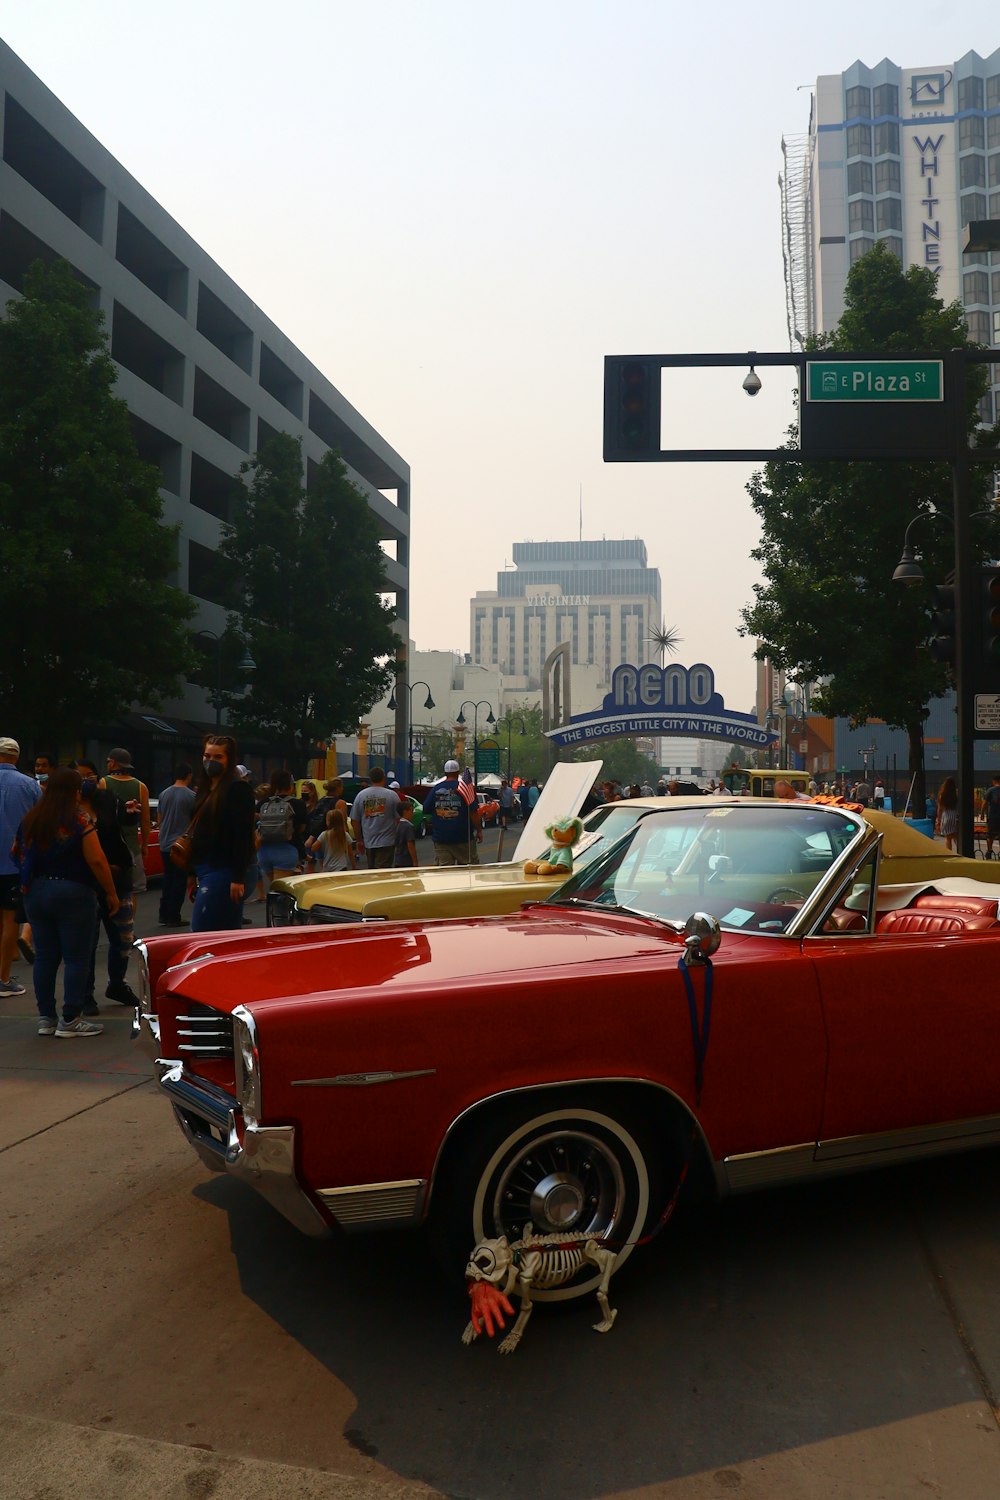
731, 982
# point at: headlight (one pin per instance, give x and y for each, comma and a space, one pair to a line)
280, 909
246, 1057
330, 914
145, 995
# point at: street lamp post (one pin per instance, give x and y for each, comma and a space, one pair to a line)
246, 666
428, 703
490, 719
508, 724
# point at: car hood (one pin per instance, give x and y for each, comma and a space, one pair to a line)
403, 959
372, 893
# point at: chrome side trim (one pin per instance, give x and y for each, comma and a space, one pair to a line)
376, 1205
360, 1080
859, 1153
922, 1140
263, 1156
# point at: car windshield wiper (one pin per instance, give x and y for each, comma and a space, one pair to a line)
617, 906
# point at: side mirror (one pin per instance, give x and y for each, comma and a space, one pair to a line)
702, 936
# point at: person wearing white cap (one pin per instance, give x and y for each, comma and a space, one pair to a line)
453, 810
18, 794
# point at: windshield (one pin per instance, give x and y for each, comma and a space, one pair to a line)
750, 866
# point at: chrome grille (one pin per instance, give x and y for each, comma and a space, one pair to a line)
204, 1032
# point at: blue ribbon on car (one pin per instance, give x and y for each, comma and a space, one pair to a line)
699, 1027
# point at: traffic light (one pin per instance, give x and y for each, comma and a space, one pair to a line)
631, 409
988, 653
943, 641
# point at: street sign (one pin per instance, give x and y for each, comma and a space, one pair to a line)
488, 758
875, 380
988, 712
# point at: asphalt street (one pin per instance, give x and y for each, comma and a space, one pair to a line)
164, 1332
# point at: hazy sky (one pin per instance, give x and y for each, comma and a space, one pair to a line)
457, 209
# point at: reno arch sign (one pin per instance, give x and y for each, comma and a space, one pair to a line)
657, 701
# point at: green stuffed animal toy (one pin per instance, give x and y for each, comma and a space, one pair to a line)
559, 859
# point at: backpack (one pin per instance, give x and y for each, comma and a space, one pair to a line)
317, 818
276, 820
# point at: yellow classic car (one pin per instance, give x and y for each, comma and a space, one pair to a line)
908, 859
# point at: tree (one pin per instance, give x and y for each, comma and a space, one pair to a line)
622, 762
832, 533
92, 623
308, 578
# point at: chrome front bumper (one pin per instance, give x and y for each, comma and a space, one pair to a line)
264, 1158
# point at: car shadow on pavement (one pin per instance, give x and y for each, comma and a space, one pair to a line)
770, 1323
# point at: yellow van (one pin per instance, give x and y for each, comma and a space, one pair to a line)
747, 783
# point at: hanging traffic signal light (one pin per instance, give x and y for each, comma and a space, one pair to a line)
943, 641
631, 409
988, 654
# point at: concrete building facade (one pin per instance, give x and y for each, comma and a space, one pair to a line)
602, 597
903, 155
206, 376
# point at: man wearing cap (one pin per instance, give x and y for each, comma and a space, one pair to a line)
133, 794
454, 820
18, 793
374, 816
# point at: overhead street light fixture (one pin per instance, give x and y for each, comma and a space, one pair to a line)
981, 235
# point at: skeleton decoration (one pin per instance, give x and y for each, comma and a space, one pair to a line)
535, 1261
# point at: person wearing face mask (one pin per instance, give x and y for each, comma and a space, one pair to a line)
43, 765
221, 829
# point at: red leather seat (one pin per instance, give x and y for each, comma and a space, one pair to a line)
937, 922
966, 906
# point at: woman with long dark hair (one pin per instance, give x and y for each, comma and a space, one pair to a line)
221, 828
62, 869
947, 810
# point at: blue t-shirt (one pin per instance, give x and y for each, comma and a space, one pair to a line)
18, 794
448, 812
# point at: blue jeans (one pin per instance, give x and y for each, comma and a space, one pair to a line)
213, 911
120, 939
173, 888
62, 914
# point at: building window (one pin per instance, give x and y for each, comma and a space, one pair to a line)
996, 287
859, 140
993, 91
973, 207
995, 205
993, 130
894, 244
858, 101
887, 138
210, 576
975, 287
859, 177
994, 169
887, 177
860, 247
970, 93
860, 215
972, 171
889, 214
978, 324
886, 99
971, 133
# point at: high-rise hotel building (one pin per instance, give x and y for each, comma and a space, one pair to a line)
906, 156
206, 376
601, 597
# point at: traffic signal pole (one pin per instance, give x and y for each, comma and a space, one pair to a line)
966, 604
900, 410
